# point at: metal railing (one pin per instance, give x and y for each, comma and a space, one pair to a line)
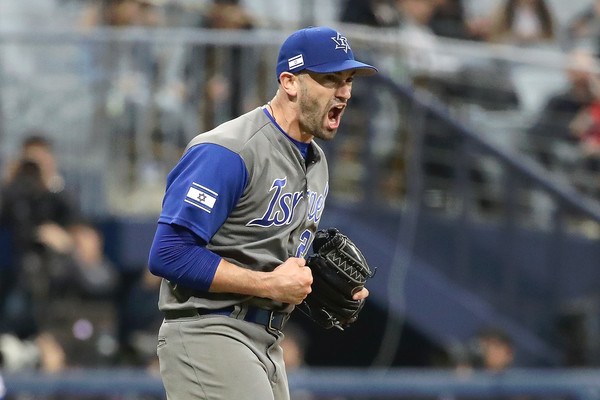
327, 383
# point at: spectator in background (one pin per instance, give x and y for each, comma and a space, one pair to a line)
585, 128
83, 314
584, 28
355, 144
37, 148
416, 15
549, 139
294, 347
220, 91
485, 81
424, 55
57, 261
448, 20
125, 76
497, 350
491, 349
121, 13
35, 212
42, 352
523, 23
375, 13
96, 274
36, 206
228, 14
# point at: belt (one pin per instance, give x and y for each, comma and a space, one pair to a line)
273, 321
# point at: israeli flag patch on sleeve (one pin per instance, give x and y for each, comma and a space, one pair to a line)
201, 197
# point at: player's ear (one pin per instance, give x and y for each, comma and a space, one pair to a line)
289, 83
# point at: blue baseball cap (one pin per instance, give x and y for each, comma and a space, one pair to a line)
321, 50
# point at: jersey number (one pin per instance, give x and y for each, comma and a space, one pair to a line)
304, 243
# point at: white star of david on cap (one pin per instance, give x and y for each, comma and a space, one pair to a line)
341, 42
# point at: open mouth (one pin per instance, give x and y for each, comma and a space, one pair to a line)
334, 116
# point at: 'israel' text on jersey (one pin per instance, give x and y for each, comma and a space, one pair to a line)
283, 204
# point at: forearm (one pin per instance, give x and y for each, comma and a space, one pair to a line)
288, 283
230, 278
178, 256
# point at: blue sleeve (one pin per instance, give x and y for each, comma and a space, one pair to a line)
181, 257
203, 188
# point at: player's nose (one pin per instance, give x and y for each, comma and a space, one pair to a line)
344, 92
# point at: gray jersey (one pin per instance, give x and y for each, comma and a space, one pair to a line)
277, 214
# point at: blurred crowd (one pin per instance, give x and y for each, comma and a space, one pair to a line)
548, 112
557, 103
149, 100
65, 304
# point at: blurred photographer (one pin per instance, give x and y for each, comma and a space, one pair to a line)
56, 296
34, 213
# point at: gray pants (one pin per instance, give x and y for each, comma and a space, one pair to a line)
220, 358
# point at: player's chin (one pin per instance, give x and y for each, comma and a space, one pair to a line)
326, 134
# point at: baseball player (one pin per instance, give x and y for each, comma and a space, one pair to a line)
239, 214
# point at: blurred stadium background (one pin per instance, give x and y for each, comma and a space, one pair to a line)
476, 201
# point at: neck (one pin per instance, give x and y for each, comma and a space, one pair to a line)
287, 121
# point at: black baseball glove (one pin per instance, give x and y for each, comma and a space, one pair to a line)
339, 271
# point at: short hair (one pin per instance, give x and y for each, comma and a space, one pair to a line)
36, 139
496, 333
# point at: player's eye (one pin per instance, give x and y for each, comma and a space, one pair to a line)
339, 80
331, 79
